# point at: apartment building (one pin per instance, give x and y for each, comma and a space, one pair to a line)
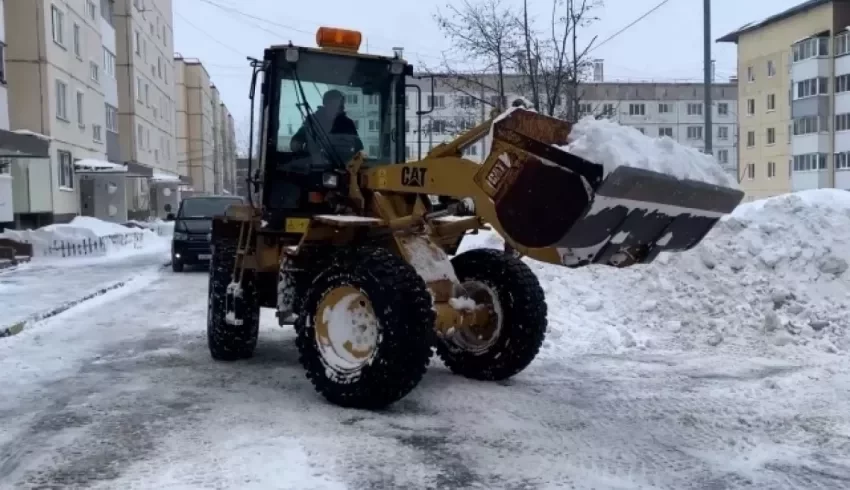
146, 109
206, 136
795, 90
195, 145
675, 110
17, 150
54, 71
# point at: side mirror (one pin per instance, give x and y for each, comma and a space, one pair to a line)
169, 217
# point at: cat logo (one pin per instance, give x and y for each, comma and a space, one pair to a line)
413, 176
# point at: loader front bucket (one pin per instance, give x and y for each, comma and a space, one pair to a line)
546, 197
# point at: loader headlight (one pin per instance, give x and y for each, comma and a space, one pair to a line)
397, 68
330, 180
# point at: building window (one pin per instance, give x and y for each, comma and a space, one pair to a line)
751, 74
61, 100
771, 102
437, 101
842, 83
695, 109
94, 71
810, 48
138, 43
139, 89
771, 170
771, 69
97, 133
58, 25
111, 118
723, 108
812, 87
108, 63
373, 125
141, 136
723, 133
665, 132
637, 109
694, 132
66, 170
77, 42
751, 139
842, 160
751, 107
771, 136
373, 150
81, 109
809, 161
751, 171
351, 99
664, 108
842, 44
147, 95
810, 125
723, 156
842, 122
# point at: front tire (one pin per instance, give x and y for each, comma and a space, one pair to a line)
364, 329
230, 342
511, 290
176, 265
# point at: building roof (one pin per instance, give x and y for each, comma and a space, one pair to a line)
732, 37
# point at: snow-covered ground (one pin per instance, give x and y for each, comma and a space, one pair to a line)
723, 367
90, 237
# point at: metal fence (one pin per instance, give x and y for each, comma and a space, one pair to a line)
89, 246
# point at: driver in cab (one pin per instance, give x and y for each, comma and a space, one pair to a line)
330, 117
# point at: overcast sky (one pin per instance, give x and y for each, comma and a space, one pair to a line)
665, 46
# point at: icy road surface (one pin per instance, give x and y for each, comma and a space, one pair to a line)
121, 393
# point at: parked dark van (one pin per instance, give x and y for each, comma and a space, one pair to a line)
192, 227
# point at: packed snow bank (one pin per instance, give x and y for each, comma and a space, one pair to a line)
773, 275
86, 236
613, 145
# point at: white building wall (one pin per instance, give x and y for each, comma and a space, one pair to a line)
676, 120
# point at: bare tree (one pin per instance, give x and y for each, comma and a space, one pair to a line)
554, 62
486, 36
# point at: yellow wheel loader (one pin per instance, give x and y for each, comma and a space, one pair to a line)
347, 245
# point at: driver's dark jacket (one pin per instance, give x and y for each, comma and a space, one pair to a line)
342, 124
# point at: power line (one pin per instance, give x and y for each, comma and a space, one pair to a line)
236, 11
629, 26
213, 38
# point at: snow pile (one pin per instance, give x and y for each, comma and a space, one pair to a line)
613, 145
86, 236
772, 275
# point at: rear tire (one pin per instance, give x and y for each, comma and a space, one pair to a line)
230, 342
515, 293
377, 348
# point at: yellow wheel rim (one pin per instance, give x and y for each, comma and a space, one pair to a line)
347, 329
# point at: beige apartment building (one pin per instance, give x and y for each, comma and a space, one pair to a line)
54, 73
146, 113
794, 99
206, 139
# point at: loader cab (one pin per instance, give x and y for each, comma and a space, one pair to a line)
308, 140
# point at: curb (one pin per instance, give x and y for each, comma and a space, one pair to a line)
19, 327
